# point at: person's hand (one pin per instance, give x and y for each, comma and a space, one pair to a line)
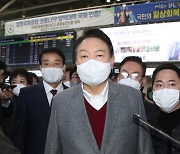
6, 95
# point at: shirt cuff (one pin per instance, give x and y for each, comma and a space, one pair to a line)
6, 104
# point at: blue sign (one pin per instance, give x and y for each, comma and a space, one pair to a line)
149, 12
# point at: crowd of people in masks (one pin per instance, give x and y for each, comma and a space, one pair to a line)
81, 110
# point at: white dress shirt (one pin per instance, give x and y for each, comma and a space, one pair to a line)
97, 101
48, 89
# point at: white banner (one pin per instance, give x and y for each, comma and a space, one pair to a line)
56, 22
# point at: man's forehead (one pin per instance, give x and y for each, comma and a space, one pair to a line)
52, 58
132, 67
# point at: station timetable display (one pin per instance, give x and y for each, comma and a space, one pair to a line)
24, 50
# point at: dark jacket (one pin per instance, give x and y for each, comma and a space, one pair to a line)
170, 124
32, 119
6, 146
9, 118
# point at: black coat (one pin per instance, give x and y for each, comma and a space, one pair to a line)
170, 124
32, 119
6, 146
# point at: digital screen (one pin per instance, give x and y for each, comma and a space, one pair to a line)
157, 42
24, 50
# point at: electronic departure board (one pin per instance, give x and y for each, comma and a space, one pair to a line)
24, 50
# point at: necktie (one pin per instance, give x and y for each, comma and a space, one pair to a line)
54, 92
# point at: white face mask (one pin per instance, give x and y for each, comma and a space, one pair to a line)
166, 99
130, 82
16, 90
93, 72
67, 83
52, 74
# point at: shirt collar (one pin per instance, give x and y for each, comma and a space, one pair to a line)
96, 101
48, 88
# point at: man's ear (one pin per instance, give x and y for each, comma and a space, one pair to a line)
112, 61
40, 67
64, 68
144, 81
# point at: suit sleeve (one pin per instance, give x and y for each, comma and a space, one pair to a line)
53, 143
7, 112
144, 140
19, 136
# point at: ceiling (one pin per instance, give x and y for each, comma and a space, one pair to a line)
18, 9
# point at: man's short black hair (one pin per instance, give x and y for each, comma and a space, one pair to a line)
96, 33
134, 59
22, 72
52, 50
165, 66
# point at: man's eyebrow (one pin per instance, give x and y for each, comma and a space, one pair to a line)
159, 81
171, 81
101, 50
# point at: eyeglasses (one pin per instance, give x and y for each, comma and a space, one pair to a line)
132, 76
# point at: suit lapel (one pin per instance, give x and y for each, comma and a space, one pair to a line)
42, 98
81, 116
113, 107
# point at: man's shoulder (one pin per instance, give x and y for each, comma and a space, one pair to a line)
33, 88
71, 90
69, 94
120, 88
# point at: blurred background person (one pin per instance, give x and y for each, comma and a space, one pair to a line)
166, 94
114, 74
35, 78
74, 77
66, 78
6, 107
19, 78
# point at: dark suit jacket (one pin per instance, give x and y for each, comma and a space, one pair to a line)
31, 120
6, 146
70, 132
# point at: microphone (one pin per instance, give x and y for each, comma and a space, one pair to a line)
137, 118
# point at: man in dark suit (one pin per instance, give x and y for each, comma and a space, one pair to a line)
96, 116
132, 73
6, 146
34, 104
